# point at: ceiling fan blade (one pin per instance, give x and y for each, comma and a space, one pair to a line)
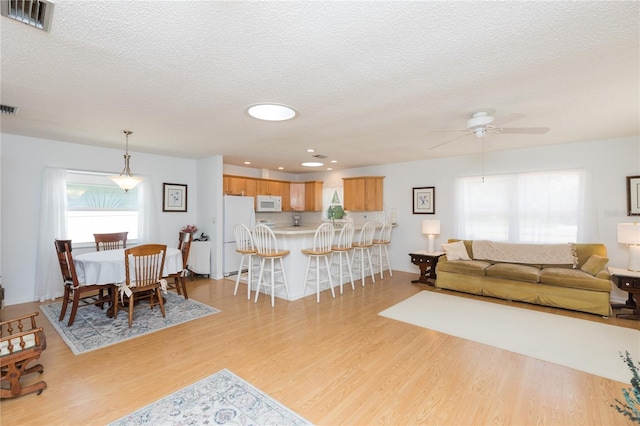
449, 141
450, 130
501, 120
524, 130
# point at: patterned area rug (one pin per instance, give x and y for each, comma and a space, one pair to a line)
222, 398
92, 329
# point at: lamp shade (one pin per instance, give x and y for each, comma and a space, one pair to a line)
628, 233
431, 227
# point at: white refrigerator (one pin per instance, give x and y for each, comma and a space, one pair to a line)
237, 210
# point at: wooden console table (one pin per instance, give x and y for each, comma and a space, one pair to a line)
427, 263
628, 281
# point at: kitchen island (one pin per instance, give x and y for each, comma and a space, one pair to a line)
294, 239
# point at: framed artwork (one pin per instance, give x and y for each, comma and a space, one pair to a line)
174, 198
633, 195
424, 200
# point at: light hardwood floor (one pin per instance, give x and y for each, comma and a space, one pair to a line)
334, 363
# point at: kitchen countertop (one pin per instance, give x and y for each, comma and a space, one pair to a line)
301, 230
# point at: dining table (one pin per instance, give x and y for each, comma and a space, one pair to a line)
107, 266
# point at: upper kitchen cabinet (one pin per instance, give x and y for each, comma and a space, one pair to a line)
363, 194
239, 185
313, 196
306, 196
276, 188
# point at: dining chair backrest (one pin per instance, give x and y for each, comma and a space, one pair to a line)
244, 239
265, 240
365, 237
385, 234
111, 241
323, 238
144, 264
184, 245
65, 258
345, 237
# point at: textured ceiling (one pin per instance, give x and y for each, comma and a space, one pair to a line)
371, 81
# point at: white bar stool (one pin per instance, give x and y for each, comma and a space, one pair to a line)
244, 246
380, 252
341, 250
267, 246
322, 242
362, 248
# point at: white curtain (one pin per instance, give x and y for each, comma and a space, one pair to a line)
53, 225
541, 207
148, 227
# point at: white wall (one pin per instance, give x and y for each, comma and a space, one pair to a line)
23, 160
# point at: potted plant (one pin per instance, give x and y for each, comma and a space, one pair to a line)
630, 407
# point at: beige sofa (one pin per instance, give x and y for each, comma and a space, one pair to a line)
563, 286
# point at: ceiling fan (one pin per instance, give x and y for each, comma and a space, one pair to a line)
480, 124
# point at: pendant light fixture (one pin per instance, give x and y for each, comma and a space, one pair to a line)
126, 180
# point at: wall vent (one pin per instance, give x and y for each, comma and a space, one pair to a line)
6, 109
36, 13
319, 156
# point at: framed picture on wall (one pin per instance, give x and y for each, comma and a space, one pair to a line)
424, 200
633, 195
174, 197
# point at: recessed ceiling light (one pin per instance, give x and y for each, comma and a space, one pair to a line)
280, 168
311, 150
329, 168
334, 161
271, 112
311, 164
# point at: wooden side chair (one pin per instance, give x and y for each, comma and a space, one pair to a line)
143, 268
21, 341
76, 293
112, 241
179, 279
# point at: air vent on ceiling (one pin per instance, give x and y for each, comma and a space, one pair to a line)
6, 109
319, 156
36, 13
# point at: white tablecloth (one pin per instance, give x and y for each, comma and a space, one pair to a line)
107, 267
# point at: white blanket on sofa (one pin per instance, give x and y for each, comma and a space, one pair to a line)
558, 254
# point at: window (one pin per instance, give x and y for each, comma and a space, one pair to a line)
97, 205
545, 207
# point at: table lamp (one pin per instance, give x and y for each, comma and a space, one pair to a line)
629, 233
431, 228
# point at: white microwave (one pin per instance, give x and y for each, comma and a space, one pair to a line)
268, 203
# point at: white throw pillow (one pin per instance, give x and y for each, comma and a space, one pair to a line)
456, 251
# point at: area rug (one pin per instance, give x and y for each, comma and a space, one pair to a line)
92, 329
222, 398
583, 345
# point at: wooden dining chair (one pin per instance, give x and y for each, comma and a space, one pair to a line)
178, 281
21, 341
76, 293
111, 241
143, 268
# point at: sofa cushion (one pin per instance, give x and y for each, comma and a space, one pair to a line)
466, 267
514, 271
594, 264
573, 278
456, 251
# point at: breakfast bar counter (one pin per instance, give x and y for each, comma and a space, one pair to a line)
294, 239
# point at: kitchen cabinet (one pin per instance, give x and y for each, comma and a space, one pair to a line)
238, 185
313, 196
363, 194
306, 196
